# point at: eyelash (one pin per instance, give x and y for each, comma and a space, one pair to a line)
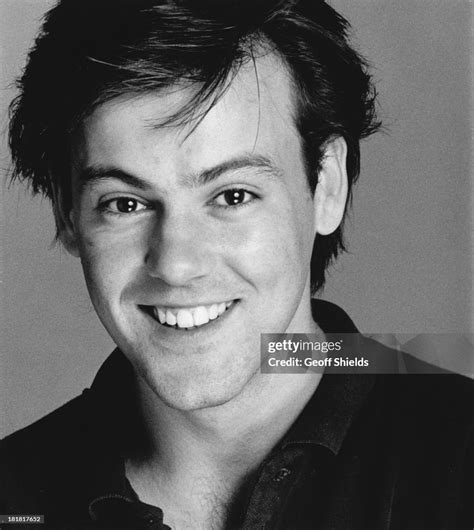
105, 206
234, 190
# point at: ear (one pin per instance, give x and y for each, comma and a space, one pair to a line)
65, 224
331, 190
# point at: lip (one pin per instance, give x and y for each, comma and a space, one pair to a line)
175, 306
188, 332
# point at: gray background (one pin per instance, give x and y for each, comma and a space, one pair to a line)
410, 234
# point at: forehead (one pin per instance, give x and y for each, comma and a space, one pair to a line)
256, 113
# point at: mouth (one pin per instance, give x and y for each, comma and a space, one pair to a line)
188, 318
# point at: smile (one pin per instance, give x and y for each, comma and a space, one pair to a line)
190, 317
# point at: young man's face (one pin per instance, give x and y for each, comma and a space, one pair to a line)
196, 241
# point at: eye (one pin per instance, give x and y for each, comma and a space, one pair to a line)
123, 205
234, 197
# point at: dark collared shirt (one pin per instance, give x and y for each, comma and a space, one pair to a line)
368, 451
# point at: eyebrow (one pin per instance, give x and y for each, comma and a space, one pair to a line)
98, 173
95, 174
247, 161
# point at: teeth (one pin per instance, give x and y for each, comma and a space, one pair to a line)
161, 316
189, 318
213, 314
170, 318
185, 319
201, 316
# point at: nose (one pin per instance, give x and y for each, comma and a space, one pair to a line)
177, 252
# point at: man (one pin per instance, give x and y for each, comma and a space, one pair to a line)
193, 155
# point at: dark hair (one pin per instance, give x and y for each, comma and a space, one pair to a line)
91, 51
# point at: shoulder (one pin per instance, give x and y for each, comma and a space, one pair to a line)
429, 418
429, 433
30, 457
431, 396
50, 430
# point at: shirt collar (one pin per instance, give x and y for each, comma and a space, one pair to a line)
114, 416
328, 416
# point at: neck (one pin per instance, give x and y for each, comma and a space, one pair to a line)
249, 426
200, 461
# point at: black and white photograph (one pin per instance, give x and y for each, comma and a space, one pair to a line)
236, 265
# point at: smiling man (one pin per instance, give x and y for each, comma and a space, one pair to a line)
189, 234
199, 157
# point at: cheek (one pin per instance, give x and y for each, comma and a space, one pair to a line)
275, 248
109, 264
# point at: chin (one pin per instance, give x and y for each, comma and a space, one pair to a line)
196, 391
193, 402
189, 399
